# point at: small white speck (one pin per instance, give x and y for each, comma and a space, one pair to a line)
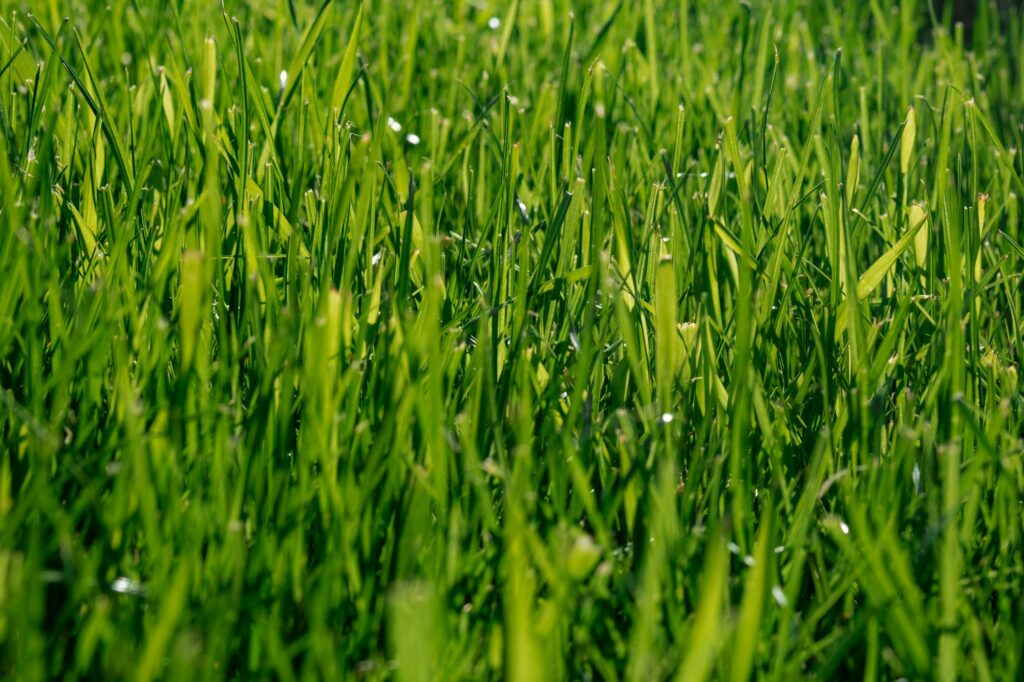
123, 585
412, 138
284, 79
779, 596
376, 258
494, 23
843, 527
394, 125
667, 418
734, 548
522, 209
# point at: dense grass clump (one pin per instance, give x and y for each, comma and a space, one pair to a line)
532, 339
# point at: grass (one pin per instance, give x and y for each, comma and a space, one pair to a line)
471, 340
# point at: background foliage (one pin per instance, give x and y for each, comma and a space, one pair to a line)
472, 339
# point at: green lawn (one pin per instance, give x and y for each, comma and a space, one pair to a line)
531, 339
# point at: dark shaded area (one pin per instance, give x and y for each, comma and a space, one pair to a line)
966, 11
